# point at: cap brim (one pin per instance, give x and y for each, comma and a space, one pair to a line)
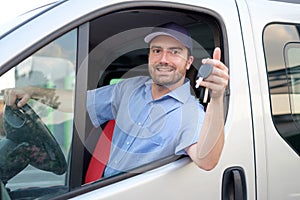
151, 36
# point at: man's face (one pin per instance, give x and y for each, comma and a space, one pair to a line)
168, 61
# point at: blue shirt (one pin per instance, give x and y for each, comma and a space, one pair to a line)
146, 129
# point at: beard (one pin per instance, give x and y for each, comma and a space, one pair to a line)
166, 75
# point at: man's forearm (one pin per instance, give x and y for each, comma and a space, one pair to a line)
207, 151
211, 138
55, 98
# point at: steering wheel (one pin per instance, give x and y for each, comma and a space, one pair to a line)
23, 126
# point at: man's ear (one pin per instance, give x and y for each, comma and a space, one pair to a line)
189, 62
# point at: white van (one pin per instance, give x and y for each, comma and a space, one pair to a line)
81, 45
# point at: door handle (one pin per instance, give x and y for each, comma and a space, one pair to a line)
234, 184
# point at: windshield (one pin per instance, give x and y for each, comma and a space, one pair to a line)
9, 26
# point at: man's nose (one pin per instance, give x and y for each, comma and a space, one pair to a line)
164, 56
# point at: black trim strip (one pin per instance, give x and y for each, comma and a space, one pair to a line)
77, 150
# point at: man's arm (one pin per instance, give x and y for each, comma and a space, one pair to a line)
55, 98
207, 151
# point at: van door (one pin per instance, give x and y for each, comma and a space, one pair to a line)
211, 26
274, 86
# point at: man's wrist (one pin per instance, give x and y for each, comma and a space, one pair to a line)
216, 100
31, 91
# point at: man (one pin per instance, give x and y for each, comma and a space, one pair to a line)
157, 117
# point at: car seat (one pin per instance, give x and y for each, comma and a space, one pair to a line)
101, 154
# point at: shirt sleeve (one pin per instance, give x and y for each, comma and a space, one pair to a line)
103, 103
99, 104
194, 118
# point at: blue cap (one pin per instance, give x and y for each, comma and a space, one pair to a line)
173, 30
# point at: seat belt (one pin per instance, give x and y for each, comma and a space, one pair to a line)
101, 154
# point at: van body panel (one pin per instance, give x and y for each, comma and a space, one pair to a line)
275, 160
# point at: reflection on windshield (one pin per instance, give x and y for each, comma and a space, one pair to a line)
6, 27
36, 138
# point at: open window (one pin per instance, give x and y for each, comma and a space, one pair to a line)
117, 49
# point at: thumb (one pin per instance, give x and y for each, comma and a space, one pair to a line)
217, 54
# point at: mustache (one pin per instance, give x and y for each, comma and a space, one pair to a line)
164, 66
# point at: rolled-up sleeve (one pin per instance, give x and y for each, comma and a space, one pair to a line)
91, 107
99, 103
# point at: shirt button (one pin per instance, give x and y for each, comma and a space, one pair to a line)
139, 123
116, 162
127, 143
151, 103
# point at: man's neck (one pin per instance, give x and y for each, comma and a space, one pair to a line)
158, 91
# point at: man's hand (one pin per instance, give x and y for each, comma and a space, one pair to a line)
55, 98
217, 81
12, 94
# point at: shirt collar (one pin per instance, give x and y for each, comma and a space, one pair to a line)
181, 93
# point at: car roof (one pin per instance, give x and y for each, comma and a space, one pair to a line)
20, 20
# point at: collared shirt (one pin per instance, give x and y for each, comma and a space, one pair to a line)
146, 129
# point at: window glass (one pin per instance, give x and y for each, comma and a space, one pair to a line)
282, 49
36, 138
292, 52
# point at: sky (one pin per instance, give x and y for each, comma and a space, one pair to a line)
9, 9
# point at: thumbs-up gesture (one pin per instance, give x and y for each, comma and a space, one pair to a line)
217, 81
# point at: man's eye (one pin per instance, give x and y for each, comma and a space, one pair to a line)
156, 51
175, 51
